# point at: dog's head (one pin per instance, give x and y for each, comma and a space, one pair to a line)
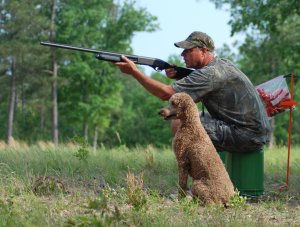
179, 105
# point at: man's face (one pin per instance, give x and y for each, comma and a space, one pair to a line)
194, 57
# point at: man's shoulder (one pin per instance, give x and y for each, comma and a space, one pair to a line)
223, 61
217, 63
215, 69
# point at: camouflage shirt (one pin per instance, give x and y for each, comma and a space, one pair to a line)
228, 96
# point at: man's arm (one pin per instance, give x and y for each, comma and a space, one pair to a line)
155, 87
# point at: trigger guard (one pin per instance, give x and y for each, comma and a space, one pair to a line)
157, 69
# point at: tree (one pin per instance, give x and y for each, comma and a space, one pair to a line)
87, 91
259, 15
90, 87
18, 29
54, 74
12, 101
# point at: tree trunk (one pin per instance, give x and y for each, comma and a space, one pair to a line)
86, 131
54, 104
12, 99
54, 78
95, 140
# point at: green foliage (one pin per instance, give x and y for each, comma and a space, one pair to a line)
149, 156
225, 52
48, 186
260, 15
94, 86
237, 202
20, 31
138, 122
7, 212
83, 148
100, 214
89, 91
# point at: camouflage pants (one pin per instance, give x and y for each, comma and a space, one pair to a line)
230, 138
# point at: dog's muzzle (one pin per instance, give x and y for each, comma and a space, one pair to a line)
166, 114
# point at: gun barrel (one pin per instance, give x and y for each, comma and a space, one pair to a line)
103, 55
69, 47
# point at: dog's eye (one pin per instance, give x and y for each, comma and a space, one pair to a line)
173, 103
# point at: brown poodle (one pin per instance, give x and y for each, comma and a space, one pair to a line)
196, 155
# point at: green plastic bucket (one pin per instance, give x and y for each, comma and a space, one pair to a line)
246, 171
223, 156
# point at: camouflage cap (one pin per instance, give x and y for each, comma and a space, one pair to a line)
197, 39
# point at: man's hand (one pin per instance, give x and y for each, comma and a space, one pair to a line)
170, 72
126, 66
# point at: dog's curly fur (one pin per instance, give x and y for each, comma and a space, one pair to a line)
196, 155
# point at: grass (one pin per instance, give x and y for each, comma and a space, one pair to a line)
41, 185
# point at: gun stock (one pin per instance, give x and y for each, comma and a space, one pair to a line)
155, 63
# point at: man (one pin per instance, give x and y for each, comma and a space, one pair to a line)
236, 120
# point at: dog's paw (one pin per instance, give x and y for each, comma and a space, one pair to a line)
189, 195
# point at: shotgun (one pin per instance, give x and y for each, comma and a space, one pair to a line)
155, 63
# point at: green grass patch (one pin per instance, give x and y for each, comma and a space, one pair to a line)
75, 186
